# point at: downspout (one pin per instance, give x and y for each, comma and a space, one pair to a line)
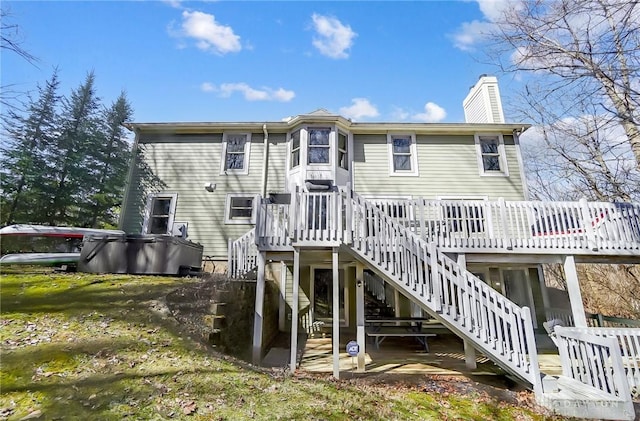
265, 160
523, 175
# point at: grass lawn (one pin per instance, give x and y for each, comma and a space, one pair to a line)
95, 347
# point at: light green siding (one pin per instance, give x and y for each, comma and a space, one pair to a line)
183, 164
448, 166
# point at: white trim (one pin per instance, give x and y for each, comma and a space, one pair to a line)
149, 208
413, 150
504, 168
247, 151
227, 209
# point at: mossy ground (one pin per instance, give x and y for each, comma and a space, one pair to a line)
84, 346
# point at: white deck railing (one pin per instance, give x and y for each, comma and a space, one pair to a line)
583, 227
243, 255
517, 225
628, 344
594, 359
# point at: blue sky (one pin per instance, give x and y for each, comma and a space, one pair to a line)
259, 61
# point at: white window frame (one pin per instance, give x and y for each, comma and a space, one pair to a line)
502, 158
146, 224
292, 150
329, 146
247, 151
227, 209
413, 150
340, 150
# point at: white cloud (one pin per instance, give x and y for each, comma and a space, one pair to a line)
207, 87
333, 38
209, 34
493, 10
360, 108
225, 90
470, 34
433, 113
173, 3
399, 114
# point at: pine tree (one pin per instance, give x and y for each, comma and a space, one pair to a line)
24, 161
111, 159
74, 174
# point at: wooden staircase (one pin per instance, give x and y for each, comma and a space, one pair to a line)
417, 267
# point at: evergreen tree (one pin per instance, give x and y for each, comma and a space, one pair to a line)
110, 161
74, 170
24, 161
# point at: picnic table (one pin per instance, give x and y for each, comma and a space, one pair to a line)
380, 329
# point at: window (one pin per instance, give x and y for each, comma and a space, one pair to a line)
295, 148
159, 213
240, 208
343, 148
402, 155
491, 155
319, 147
235, 152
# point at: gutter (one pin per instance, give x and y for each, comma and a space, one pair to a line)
265, 160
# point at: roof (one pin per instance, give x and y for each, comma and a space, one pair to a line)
323, 116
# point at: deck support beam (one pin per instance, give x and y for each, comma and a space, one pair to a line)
573, 288
258, 319
336, 313
293, 363
360, 329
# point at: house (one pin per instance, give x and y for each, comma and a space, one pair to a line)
436, 216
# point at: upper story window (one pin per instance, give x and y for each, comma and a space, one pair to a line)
402, 154
491, 155
343, 151
159, 213
235, 153
295, 148
318, 150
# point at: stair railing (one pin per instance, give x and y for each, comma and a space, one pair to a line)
500, 327
243, 255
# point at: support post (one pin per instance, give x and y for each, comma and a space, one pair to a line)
573, 288
470, 355
293, 364
282, 303
336, 314
258, 319
360, 329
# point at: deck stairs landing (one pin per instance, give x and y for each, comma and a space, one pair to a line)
497, 327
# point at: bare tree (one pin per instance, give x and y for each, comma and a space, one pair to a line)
10, 41
578, 50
